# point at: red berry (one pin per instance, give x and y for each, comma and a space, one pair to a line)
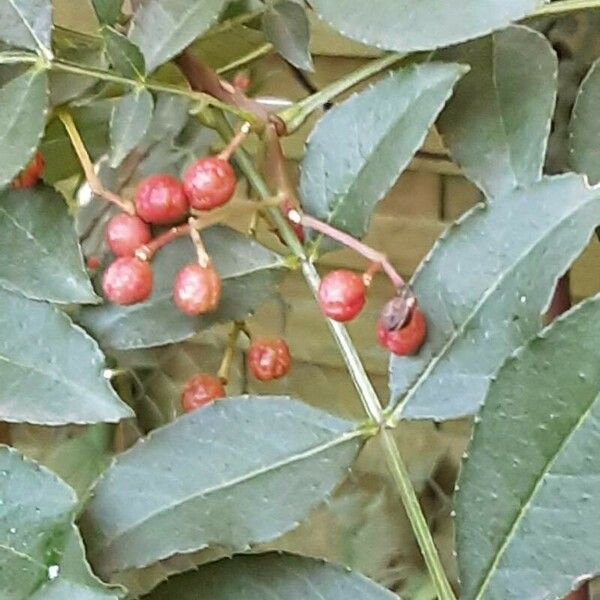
201, 390
342, 295
197, 289
127, 280
160, 199
269, 359
286, 206
209, 182
92, 263
29, 176
408, 339
125, 233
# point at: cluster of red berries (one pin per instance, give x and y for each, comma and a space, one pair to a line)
267, 359
163, 200
401, 327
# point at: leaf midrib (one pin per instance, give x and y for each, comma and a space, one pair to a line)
178, 27
521, 513
32, 32
420, 378
240, 479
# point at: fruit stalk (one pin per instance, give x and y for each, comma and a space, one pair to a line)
232, 338
347, 240
360, 379
88, 168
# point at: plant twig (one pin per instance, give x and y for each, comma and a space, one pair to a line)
88, 168
204, 79
147, 251
232, 338
360, 378
350, 242
235, 142
295, 115
194, 226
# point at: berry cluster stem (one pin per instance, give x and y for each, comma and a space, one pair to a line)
232, 338
361, 380
88, 168
235, 142
195, 225
350, 242
147, 251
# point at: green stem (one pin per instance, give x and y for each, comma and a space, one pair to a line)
248, 58
361, 380
401, 477
231, 23
295, 115
69, 67
564, 6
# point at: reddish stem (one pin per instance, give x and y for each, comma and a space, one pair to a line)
193, 227
147, 251
352, 243
235, 142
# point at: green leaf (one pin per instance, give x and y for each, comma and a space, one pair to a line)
496, 125
123, 54
169, 118
242, 470
273, 576
408, 25
129, 123
24, 102
584, 141
41, 553
78, 455
359, 148
222, 49
27, 24
163, 28
249, 272
286, 26
483, 289
107, 11
42, 257
51, 372
529, 493
86, 52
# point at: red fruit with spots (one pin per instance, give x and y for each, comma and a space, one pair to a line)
125, 233
406, 340
201, 390
127, 280
342, 295
209, 182
197, 289
160, 200
30, 175
269, 359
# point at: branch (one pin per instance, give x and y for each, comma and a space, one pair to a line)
88, 168
295, 115
204, 79
350, 242
360, 378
